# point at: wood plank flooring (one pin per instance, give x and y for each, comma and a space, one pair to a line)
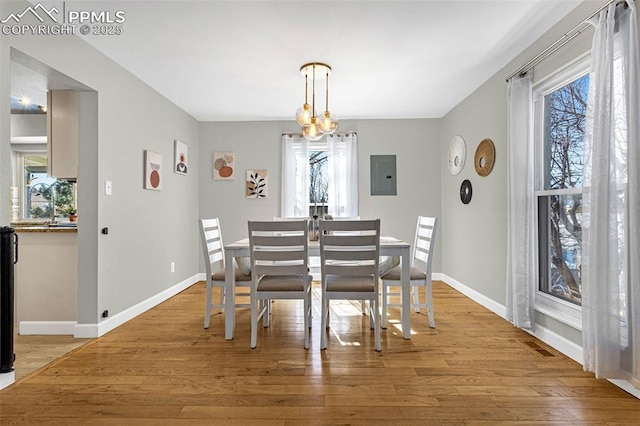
164, 368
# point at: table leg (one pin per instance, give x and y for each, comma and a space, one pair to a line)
406, 293
230, 296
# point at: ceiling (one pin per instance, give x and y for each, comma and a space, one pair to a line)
240, 60
30, 80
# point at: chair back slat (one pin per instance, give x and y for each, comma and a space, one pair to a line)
354, 240
284, 239
278, 225
289, 218
280, 269
349, 255
275, 256
349, 225
212, 233
350, 270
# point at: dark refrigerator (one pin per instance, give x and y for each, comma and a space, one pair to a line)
8, 258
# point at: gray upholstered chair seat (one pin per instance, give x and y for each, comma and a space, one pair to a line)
240, 276
349, 284
396, 274
283, 283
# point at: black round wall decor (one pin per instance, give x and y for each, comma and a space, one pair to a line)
465, 191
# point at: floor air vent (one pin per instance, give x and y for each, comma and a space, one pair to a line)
534, 345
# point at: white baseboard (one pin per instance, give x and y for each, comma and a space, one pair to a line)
556, 341
46, 327
573, 351
547, 336
105, 326
627, 387
7, 379
483, 300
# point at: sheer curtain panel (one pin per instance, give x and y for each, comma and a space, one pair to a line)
611, 200
521, 251
342, 167
295, 176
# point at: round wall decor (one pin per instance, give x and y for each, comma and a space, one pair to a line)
457, 155
485, 157
466, 191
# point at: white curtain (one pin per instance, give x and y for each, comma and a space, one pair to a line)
521, 243
295, 176
342, 168
611, 201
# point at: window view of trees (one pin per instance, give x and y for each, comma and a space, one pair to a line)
39, 199
38, 190
318, 184
561, 207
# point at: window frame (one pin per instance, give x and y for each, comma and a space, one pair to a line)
560, 310
19, 179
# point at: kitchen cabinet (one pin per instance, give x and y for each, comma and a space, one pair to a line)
62, 133
46, 279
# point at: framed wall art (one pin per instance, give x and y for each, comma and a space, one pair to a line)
256, 184
152, 170
181, 157
223, 166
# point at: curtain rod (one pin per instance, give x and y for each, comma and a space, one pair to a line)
291, 134
559, 43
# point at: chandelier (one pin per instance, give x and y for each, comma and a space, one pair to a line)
313, 127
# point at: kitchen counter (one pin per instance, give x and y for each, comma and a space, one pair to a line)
44, 227
33, 228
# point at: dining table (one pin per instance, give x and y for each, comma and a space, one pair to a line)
389, 246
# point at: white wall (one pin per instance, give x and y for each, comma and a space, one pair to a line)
474, 244
257, 145
147, 229
28, 125
5, 132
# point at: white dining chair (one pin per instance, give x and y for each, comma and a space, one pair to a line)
363, 303
279, 263
214, 261
349, 259
420, 272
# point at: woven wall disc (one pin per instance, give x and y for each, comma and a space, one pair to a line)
485, 157
457, 155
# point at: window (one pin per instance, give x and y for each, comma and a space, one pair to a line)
320, 176
37, 189
561, 106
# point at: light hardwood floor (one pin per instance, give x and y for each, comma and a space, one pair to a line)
34, 352
164, 368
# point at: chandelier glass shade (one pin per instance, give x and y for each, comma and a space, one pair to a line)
313, 126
